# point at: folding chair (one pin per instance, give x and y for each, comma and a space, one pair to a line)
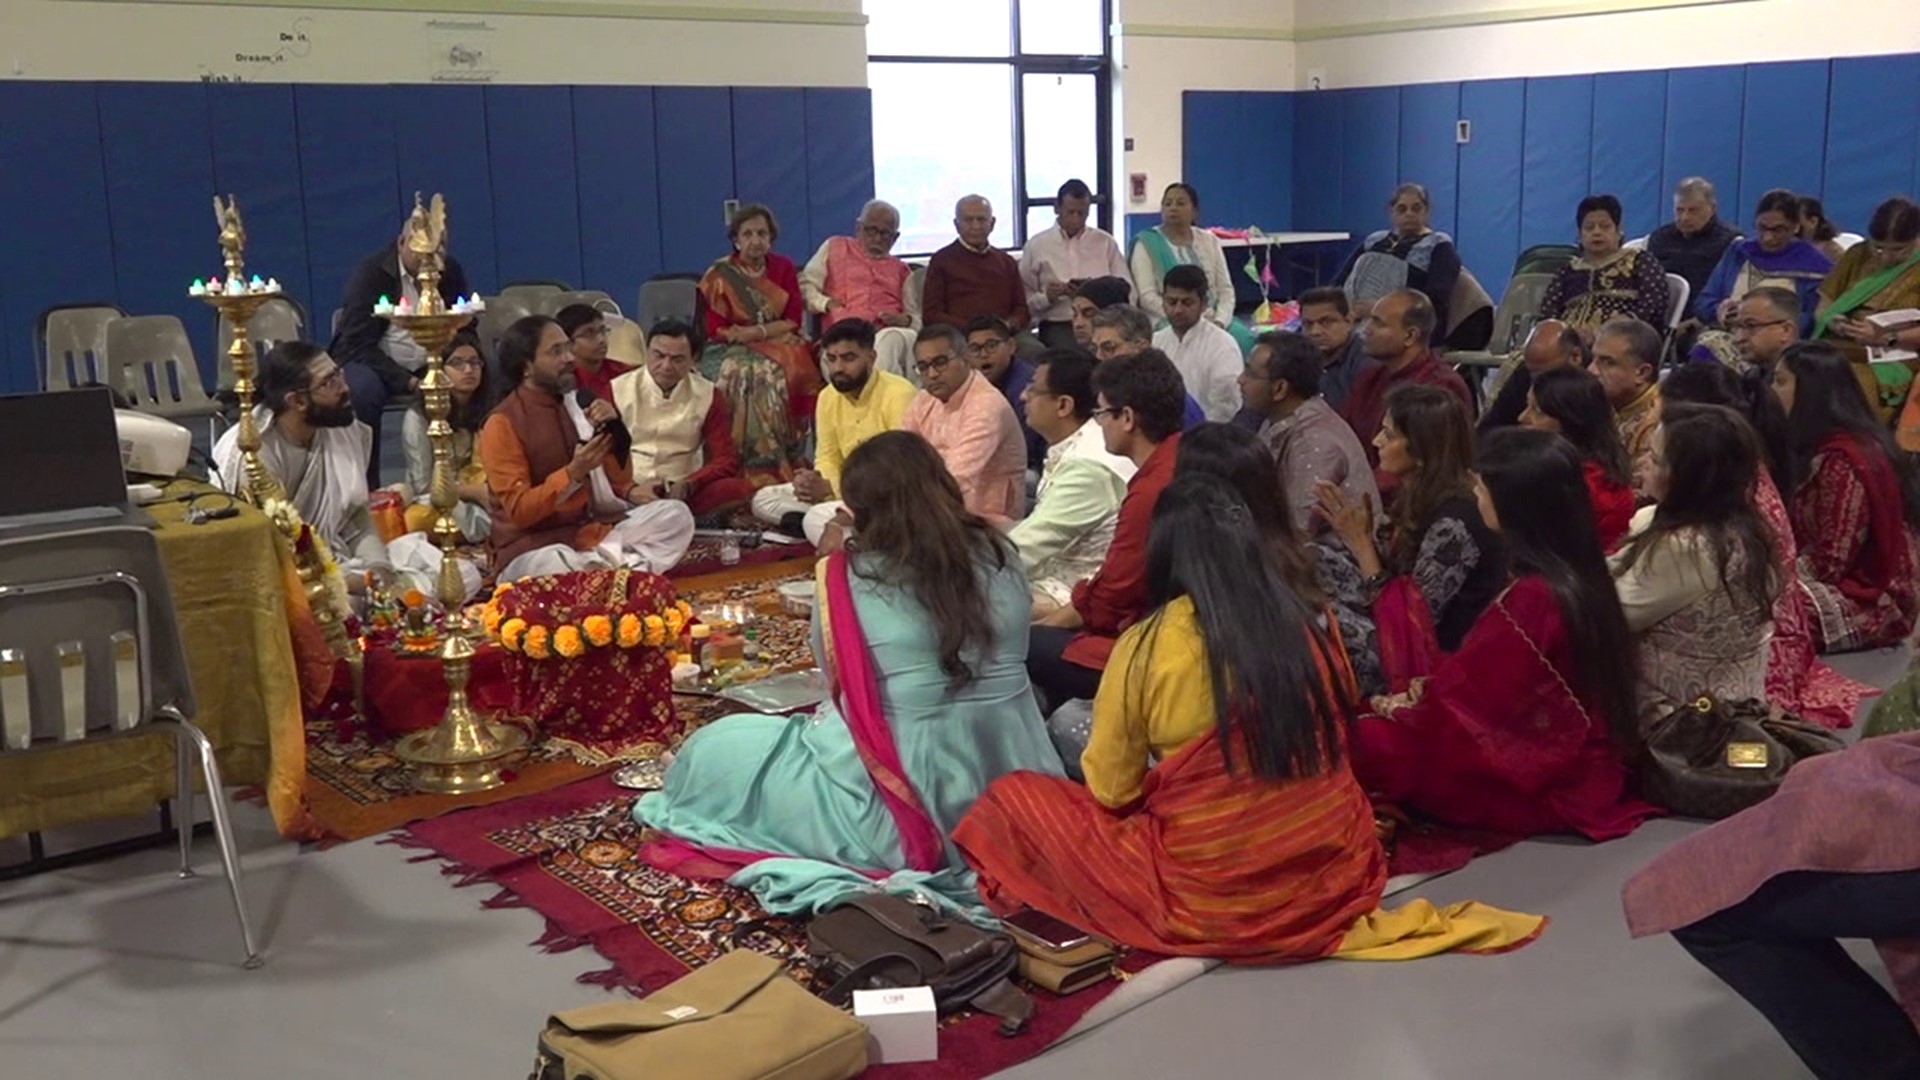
71, 342
155, 366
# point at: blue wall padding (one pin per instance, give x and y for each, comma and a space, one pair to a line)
350, 176
158, 153
1784, 115
1428, 153
1369, 156
693, 134
1556, 156
256, 158
536, 206
450, 156
619, 188
1873, 127
1316, 163
839, 160
1488, 211
1243, 143
770, 161
52, 185
1629, 143
1704, 107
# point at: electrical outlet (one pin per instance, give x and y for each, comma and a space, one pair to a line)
729, 207
1129, 142
1463, 131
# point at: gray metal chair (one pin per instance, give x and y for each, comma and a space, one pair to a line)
531, 294
90, 649
1679, 292
279, 319
665, 298
501, 313
551, 303
154, 366
71, 341
1519, 309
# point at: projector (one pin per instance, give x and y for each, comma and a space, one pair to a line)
151, 446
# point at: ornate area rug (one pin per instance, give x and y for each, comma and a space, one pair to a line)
572, 855
357, 788
703, 557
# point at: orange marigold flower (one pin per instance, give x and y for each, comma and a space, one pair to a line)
568, 642
538, 638
656, 630
685, 609
630, 631
598, 628
511, 633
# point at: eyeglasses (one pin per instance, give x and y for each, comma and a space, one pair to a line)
985, 348
463, 364
337, 377
1107, 411
1107, 350
1891, 252
1755, 327
938, 363
876, 230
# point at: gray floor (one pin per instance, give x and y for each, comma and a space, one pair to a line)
377, 968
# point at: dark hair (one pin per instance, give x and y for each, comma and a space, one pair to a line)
1896, 221
1576, 400
747, 212
1070, 375
1292, 359
1546, 520
1328, 294
1606, 204
1827, 399
470, 416
1105, 292
1193, 196
574, 316
1643, 341
519, 344
1811, 207
1266, 661
283, 371
954, 339
921, 539
1074, 189
1780, 200
672, 327
1702, 383
1187, 278
1149, 384
1237, 456
980, 324
1440, 438
1420, 315
1712, 459
859, 331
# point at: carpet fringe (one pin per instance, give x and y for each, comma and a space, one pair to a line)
610, 979
558, 940
405, 840
505, 898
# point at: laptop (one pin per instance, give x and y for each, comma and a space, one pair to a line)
60, 457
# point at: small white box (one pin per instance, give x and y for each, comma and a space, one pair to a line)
902, 1024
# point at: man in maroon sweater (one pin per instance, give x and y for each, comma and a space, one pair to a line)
970, 277
1396, 335
1140, 399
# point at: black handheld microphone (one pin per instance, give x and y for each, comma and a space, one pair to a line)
622, 438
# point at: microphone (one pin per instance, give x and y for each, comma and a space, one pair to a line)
622, 447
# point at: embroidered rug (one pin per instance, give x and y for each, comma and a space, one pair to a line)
572, 855
703, 557
357, 788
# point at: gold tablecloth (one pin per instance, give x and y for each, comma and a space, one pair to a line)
233, 621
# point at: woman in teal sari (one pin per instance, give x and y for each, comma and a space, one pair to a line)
921, 627
1177, 241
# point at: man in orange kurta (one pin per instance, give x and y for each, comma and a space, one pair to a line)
563, 498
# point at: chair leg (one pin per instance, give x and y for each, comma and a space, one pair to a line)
222, 828
183, 755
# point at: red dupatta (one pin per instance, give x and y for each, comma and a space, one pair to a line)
1885, 565
1403, 625
855, 687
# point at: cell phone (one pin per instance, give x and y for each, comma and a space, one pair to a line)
1044, 929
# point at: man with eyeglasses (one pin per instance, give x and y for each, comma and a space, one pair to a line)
593, 369
859, 402
857, 277
990, 349
1326, 318
1125, 330
970, 425
1766, 323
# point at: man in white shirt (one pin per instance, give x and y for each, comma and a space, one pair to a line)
1058, 261
1207, 356
1066, 536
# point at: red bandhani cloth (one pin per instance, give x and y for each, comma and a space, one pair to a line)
408, 691
1797, 679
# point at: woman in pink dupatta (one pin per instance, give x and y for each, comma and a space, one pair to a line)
923, 631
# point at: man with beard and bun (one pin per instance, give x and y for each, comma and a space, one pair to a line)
312, 444
860, 402
563, 492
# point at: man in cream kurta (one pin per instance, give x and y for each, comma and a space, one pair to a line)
682, 431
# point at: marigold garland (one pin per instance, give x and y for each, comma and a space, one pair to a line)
567, 641
535, 644
626, 630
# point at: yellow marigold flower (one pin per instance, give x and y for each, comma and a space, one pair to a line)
537, 642
656, 630
490, 619
675, 623
511, 632
599, 629
630, 631
685, 609
568, 642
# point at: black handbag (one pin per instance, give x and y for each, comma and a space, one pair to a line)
1713, 759
879, 941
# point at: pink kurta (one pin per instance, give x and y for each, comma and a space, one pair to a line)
865, 287
976, 434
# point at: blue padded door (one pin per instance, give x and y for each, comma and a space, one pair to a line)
693, 134
1629, 146
770, 161
1872, 131
1785, 117
1489, 214
1369, 156
1704, 107
450, 156
619, 188
1316, 162
839, 160
256, 157
1429, 153
536, 194
350, 172
1556, 158
1236, 147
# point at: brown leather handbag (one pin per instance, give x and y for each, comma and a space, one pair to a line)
1068, 971
1713, 759
877, 941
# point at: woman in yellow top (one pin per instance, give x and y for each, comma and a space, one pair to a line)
1220, 817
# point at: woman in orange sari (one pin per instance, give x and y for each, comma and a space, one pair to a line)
1249, 839
755, 353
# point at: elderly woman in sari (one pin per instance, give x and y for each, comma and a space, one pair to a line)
1878, 276
1179, 241
1412, 255
755, 353
923, 634
1606, 279
1774, 256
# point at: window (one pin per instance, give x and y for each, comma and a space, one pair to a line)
945, 78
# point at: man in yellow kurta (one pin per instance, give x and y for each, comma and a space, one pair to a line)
859, 403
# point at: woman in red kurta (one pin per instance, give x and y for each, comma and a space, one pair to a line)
1526, 728
1855, 505
1569, 401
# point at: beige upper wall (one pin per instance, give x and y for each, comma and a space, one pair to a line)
735, 43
